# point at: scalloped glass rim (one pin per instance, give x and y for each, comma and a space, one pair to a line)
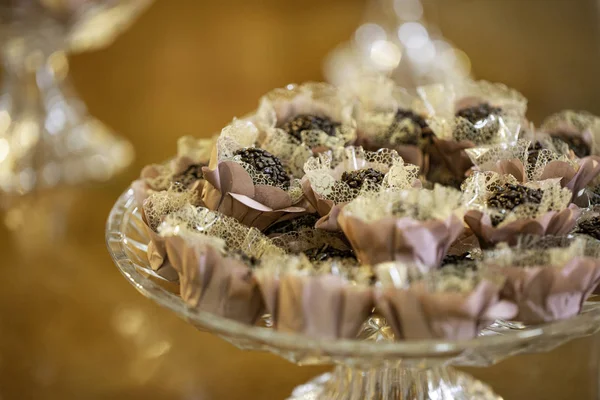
116, 241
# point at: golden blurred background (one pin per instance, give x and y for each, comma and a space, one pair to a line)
72, 328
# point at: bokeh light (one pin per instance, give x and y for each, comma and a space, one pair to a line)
367, 34
385, 55
408, 10
413, 35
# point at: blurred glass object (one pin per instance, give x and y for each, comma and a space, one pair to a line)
38, 221
47, 138
395, 40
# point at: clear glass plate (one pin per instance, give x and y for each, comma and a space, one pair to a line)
366, 369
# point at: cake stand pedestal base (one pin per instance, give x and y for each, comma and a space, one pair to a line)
438, 383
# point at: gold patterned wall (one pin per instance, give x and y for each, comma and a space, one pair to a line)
72, 328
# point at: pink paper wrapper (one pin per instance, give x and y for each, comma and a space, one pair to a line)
212, 282
512, 167
401, 239
554, 223
321, 177
416, 314
230, 190
296, 304
450, 155
573, 178
546, 293
569, 124
157, 254
147, 183
142, 187
324, 207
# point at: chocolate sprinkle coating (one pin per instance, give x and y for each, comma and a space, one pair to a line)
306, 122
293, 225
534, 152
413, 129
462, 260
509, 196
590, 227
579, 147
497, 219
327, 252
355, 179
265, 163
477, 113
470, 130
245, 258
192, 174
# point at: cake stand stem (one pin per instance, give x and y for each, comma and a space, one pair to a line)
439, 383
47, 137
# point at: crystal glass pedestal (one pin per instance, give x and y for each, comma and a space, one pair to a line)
371, 368
438, 383
47, 137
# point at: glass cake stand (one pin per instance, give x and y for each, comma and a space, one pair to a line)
369, 369
47, 136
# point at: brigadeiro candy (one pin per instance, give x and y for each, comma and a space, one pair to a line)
546, 284
386, 118
249, 183
184, 172
348, 198
334, 179
295, 295
411, 225
213, 281
215, 256
157, 207
301, 223
451, 304
465, 115
298, 121
579, 130
590, 226
526, 162
501, 209
589, 223
307, 122
318, 245
508, 196
240, 240
464, 260
265, 163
